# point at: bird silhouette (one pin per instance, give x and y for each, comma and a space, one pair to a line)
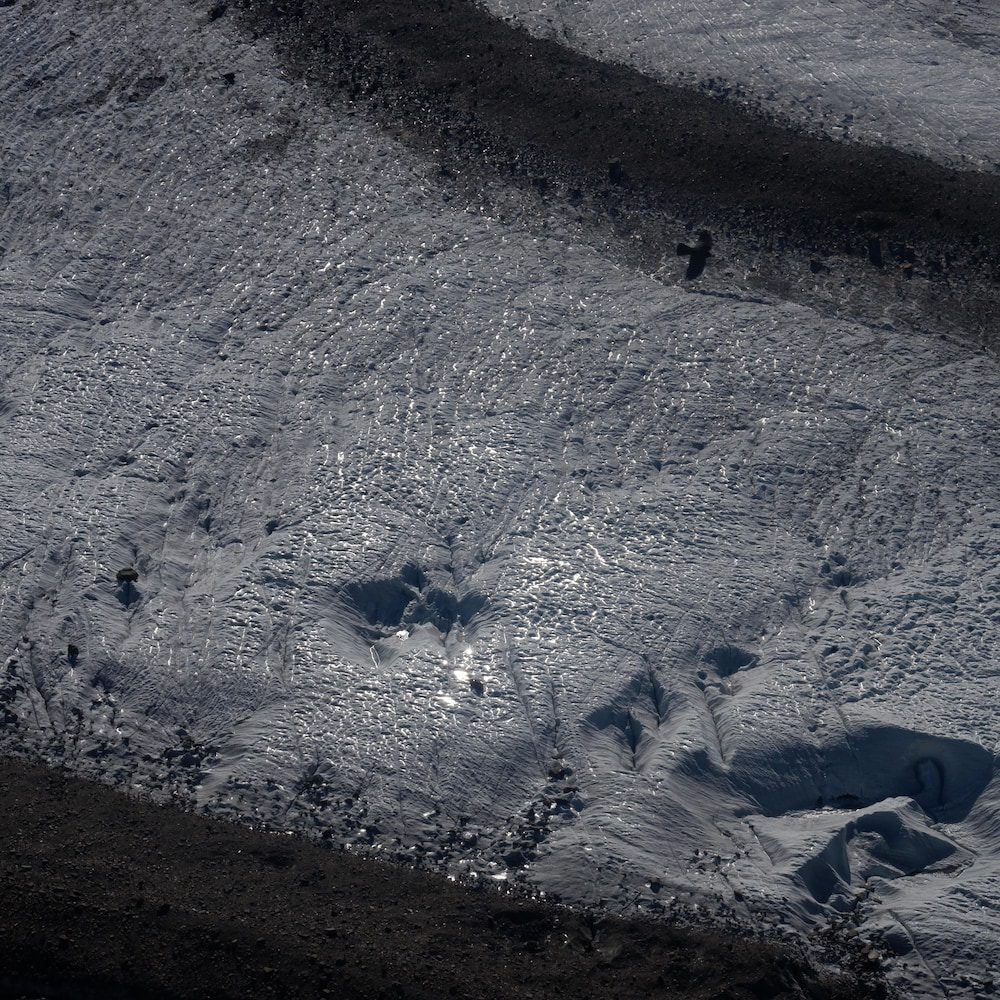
697, 253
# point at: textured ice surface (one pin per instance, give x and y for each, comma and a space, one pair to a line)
919, 74
463, 543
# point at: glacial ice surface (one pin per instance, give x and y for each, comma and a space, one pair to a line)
462, 543
917, 74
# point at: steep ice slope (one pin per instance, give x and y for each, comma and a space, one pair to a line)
458, 541
918, 74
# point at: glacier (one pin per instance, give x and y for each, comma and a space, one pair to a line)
458, 540
919, 74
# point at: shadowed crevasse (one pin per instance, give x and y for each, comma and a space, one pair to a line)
860, 768
410, 598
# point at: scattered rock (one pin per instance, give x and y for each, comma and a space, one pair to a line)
223, 920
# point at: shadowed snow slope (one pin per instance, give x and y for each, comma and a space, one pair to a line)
462, 543
916, 74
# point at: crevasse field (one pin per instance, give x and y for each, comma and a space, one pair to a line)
467, 545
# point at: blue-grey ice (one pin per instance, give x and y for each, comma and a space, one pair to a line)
919, 74
462, 542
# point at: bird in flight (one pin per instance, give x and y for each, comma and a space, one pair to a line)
697, 253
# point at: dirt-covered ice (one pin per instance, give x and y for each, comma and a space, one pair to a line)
460, 542
918, 74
